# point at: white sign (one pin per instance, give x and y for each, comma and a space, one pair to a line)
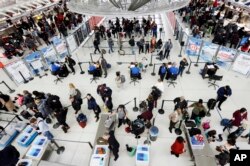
16, 67
242, 63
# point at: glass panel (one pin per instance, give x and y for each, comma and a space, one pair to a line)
208, 51
14, 70
35, 63
242, 63
225, 57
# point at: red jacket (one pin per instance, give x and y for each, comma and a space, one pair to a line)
238, 118
177, 147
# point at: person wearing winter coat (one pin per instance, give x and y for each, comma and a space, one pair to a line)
168, 46
92, 105
162, 71
177, 147
61, 115
113, 143
238, 117
71, 63
76, 104
108, 103
6, 102
41, 107
122, 114
104, 64
9, 156
174, 119
222, 94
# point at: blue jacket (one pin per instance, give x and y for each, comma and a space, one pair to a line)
174, 70
135, 71
222, 91
162, 70
92, 104
55, 68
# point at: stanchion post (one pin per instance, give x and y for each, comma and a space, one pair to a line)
82, 72
161, 110
196, 64
10, 90
153, 73
24, 80
91, 57
188, 71
135, 106
151, 60
91, 146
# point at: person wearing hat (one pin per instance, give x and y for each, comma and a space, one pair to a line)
222, 94
199, 109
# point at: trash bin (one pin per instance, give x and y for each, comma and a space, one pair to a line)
153, 133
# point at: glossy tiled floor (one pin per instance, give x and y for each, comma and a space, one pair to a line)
192, 86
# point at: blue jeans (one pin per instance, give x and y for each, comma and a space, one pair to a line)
48, 135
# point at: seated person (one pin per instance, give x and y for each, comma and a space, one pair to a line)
132, 64
55, 68
209, 69
63, 72
173, 71
135, 72
168, 75
95, 69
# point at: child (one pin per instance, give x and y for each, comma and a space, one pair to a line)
178, 146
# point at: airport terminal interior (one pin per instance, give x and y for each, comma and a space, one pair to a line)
123, 82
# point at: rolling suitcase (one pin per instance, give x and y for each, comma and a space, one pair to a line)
82, 120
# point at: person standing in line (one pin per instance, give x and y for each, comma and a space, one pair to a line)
132, 44
96, 46
178, 146
92, 105
162, 71
122, 114
183, 64
140, 44
108, 103
174, 119
71, 63
104, 66
147, 47
222, 94
168, 46
110, 44
118, 80
113, 143
199, 110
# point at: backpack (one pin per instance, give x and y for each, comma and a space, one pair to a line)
206, 125
211, 103
225, 122
123, 78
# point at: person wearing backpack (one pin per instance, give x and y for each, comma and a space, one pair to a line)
71, 63
104, 91
132, 44
73, 91
119, 79
122, 114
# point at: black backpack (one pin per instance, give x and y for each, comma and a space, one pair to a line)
211, 104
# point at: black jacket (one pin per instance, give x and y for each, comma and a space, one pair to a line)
9, 156
113, 143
